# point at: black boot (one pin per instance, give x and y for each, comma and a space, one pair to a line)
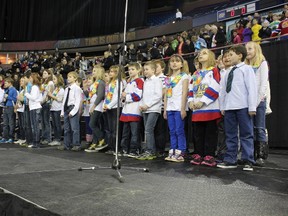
256, 150
263, 153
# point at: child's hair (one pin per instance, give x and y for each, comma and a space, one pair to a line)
27, 74
258, 58
79, 80
100, 72
50, 78
36, 79
239, 49
211, 62
177, 57
60, 80
225, 52
9, 80
161, 63
151, 64
74, 74
117, 69
195, 61
136, 65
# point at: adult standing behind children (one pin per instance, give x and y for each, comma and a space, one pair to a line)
256, 59
238, 102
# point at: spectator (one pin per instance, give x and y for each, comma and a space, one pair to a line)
257, 17
283, 27
236, 38
255, 30
270, 17
274, 25
247, 33
239, 30
218, 39
265, 31
178, 15
199, 43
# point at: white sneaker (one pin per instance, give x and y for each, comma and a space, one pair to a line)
18, 141
22, 141
54, 143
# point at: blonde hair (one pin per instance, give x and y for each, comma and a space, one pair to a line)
211, 62
118, 69
136, 65
258, 58
73, 73
100, 71
151, 64
178, 57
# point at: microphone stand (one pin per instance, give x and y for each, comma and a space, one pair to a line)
116, 164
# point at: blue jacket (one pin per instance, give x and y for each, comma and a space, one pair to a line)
12, 96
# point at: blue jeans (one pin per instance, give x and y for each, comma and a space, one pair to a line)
130, 136
56, 120
96, 126
260, 122
150, 120
71, 130
27, 125
176, 129
34, 121
232, 120
9, 119
45, 120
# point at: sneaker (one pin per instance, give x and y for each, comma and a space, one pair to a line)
44, 142
9, 141
22, 141
227, 165
170, 155
3, 140
32, 146
178, 157
248, 166
76, 148
260, 162
24, 144
18, 141
101, 145
146, 156
209, 161
109, 152
92, 148
62, 148
133, 155
196, 159
54, 143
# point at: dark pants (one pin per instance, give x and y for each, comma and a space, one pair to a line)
96, 126
205, 136
232, 120
9, 119
56, 120
88, 129
221, 147
21, 125
27, 125
260, 123
45, 121
34, 121
71, 130
130, 137
160, 134
112, 123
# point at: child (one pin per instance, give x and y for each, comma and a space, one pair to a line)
161, 125
47, 87
203, 100
256, 59
175, 101
57, 98
131, 114
97, 95
35, 98
238, 101
70, 112
225, 66
86, 106
110, 106
150, 106
9, 118
19, 109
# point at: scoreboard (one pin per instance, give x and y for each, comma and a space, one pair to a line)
236, 11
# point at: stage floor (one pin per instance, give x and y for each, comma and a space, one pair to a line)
50, 178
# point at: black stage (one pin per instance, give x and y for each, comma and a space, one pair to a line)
50, 179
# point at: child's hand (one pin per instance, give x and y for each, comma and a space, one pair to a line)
143, 108
183, 114
198, 105
223, 112
191, 105
165, 115
253, 113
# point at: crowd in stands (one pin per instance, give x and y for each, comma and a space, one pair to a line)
40, 85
